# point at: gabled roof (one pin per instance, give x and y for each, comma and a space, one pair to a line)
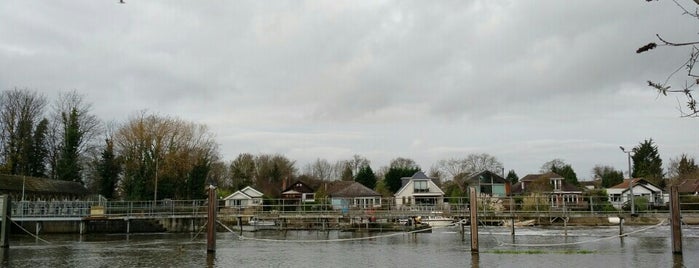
534, 177
349, 189
688, 186
419, 176
245, 193
40, 185
298, 187
486, 176
637, 182
521, 185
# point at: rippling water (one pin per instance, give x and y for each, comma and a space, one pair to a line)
531, 247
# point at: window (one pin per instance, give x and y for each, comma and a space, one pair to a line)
556, 184
421, 186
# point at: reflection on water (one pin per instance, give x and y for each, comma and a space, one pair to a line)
538, 247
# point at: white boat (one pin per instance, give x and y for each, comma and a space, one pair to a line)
259, 222
436, 220
519, 223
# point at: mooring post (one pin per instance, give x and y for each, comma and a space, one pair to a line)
463, 230
474, 219
5, 227
37, 228
621, 226
676, 220
240, 224
211, 222
512, 216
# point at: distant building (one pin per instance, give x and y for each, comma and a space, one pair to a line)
489, 183
40, 189
560, 193
244, 198
619, 194
351, 194
419, 191
298, 192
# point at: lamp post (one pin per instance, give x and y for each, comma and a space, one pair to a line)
633, 206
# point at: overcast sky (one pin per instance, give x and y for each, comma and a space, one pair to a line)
524, 81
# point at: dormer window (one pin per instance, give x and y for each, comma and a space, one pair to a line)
557, 184
421, 186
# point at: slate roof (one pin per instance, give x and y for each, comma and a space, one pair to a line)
40, 185
349, 189
625, 184
688, 186
486, 176
565, 186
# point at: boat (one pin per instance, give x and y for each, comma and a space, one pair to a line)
259, 222
436, 220
519, 223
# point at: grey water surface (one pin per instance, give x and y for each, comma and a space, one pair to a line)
645, 246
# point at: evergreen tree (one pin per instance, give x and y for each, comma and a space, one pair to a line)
394, 175
37, 161
242, 171
68, 168
108, 169
512, 177
196, 182
647, 163
568, 174
366, 177
686, 167
608, 175
347, 173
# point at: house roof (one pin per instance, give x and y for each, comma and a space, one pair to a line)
245, 193
298, 187
533, 177
420, 176
40, 185
688, 186
349, 189
625, 183
486, 176
520, 186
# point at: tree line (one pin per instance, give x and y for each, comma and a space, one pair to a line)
151, 156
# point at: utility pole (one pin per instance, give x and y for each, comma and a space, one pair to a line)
633, 206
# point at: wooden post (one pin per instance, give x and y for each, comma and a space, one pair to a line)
5, 226
621, 226
474, 220
211, 221
512, 216
463, 231
675, 220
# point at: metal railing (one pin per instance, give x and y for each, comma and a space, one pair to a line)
520, 205
122, 209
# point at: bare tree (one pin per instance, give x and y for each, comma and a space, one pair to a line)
691, 79
20, 112
454, 168
551, 165
164, 157
320, 169
73, 134
403, 163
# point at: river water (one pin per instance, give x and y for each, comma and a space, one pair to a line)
645, 246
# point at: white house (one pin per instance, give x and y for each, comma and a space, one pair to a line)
419, 191
619, 194
247, 197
